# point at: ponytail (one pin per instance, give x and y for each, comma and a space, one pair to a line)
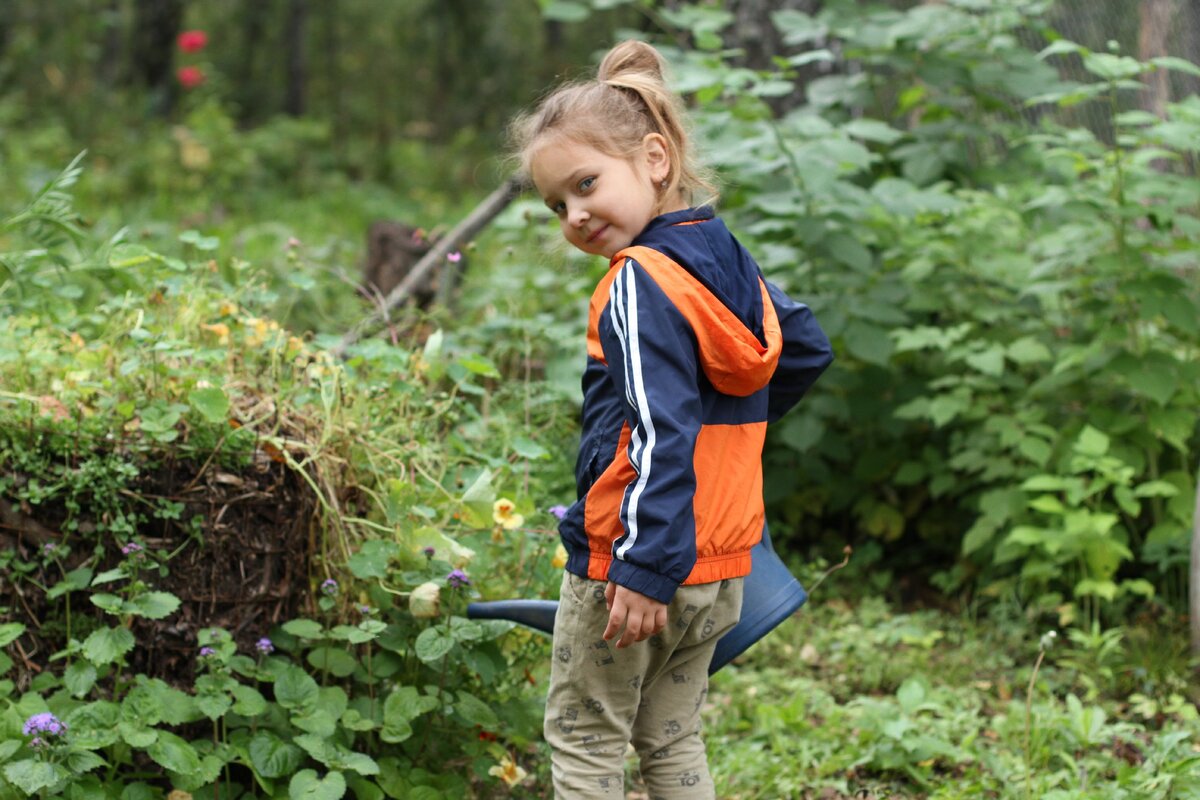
627, 100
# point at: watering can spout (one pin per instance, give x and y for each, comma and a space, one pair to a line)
770, 595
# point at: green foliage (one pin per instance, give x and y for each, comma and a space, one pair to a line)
994, 290
816, 708
1013, 307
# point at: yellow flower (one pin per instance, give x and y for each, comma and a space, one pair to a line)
560, 557
220, 330
502, 513
508, 771
256, 331
227, 308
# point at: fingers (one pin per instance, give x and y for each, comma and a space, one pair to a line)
640, 616
616, 614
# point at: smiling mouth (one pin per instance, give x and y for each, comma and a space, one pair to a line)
597, 232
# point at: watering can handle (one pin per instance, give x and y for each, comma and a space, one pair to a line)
770, 595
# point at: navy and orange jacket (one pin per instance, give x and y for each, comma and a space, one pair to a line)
690, 354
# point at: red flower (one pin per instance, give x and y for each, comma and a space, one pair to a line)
192, 41
190, 77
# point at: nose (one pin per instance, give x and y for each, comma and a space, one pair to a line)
577, 215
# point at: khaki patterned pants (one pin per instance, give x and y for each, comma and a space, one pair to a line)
649, 693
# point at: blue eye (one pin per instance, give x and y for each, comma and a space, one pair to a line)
586, 183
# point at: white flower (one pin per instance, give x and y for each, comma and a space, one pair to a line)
424, 602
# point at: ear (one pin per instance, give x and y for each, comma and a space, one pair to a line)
657, 157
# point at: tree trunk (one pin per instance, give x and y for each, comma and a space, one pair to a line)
156, 24
109, 69
1194, 577
297, 63
1155, 27
755, 34
253, 104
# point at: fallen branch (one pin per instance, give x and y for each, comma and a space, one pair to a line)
11, 519
484, 213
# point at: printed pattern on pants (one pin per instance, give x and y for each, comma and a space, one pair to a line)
650, 694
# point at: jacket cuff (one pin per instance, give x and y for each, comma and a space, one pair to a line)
642, 580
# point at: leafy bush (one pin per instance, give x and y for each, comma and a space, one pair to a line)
1013, 305
165, 365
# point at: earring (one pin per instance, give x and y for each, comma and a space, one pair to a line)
663, 184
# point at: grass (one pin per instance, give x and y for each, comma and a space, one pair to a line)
862, 700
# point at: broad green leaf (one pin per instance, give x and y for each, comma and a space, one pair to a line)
295, 688
1156, 489
305, 628
358, 762
74, 580
371, 561
211, 402
108, 602
153, 605
336, 662
107, 645
305, 785
173, 753
10, 631
475, 712
109, 576
81, 761
1091, 442
989, 361
401, 707
868, 342
433, 644
213, 704
565, 10
79, 678
1177, 64
32, 776
248, 701
272, 757
911, 695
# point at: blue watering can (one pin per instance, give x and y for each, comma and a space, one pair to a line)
770, 595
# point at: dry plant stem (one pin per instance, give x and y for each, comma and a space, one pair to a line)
848, 551
1029, 724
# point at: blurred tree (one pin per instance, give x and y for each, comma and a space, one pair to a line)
156, 25
296, 46
249, 90
1155, 26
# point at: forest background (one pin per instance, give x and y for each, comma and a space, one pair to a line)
236, 549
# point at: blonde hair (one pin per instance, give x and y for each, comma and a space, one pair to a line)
614, 112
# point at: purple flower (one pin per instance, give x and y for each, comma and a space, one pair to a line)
48, 548
454, 257
205, 652
457, 579
429, 551
558, 511
45, 723
132, 547
38, 743
264, 646
366, 611
329, 586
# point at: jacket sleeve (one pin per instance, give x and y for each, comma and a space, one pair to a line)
651, 354
806, 353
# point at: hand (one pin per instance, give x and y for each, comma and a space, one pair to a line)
642, 616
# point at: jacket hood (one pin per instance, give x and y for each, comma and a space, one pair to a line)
716, 284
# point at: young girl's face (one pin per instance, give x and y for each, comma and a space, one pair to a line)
602, 202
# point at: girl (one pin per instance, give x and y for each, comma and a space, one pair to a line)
690, 354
